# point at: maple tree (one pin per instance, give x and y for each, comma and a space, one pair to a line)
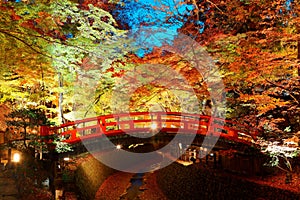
23, 71
164, 82
255, 45
61, 36
154, 25
91, 58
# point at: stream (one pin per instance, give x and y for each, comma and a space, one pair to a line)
133, 190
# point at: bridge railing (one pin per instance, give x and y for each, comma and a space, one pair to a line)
173, 122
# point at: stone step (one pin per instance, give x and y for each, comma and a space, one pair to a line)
8, 189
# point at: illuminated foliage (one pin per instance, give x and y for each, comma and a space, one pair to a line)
56, 41
253, 43
152, 23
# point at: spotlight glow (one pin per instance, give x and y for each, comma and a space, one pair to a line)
66, 159
153, 126
16, 157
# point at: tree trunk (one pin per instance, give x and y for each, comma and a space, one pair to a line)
25, 135
288, 178
298, 56
61, 97
298, 50
9, 155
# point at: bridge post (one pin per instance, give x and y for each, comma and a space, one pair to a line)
131, 123
158, 119
44, 130
185, 124
118, 122
101, 122
220, 160
215, 160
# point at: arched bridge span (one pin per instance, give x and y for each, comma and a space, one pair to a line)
143, 122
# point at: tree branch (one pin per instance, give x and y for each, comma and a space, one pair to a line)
280, 86
215, 6
46, 39
282, 168
26, 43
34, 49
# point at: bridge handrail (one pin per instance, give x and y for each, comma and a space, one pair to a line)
123, 122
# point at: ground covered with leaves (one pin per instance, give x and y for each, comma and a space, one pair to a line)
198, 181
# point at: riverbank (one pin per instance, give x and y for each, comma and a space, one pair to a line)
197, 181
203, 182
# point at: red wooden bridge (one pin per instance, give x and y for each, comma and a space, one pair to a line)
143, 122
